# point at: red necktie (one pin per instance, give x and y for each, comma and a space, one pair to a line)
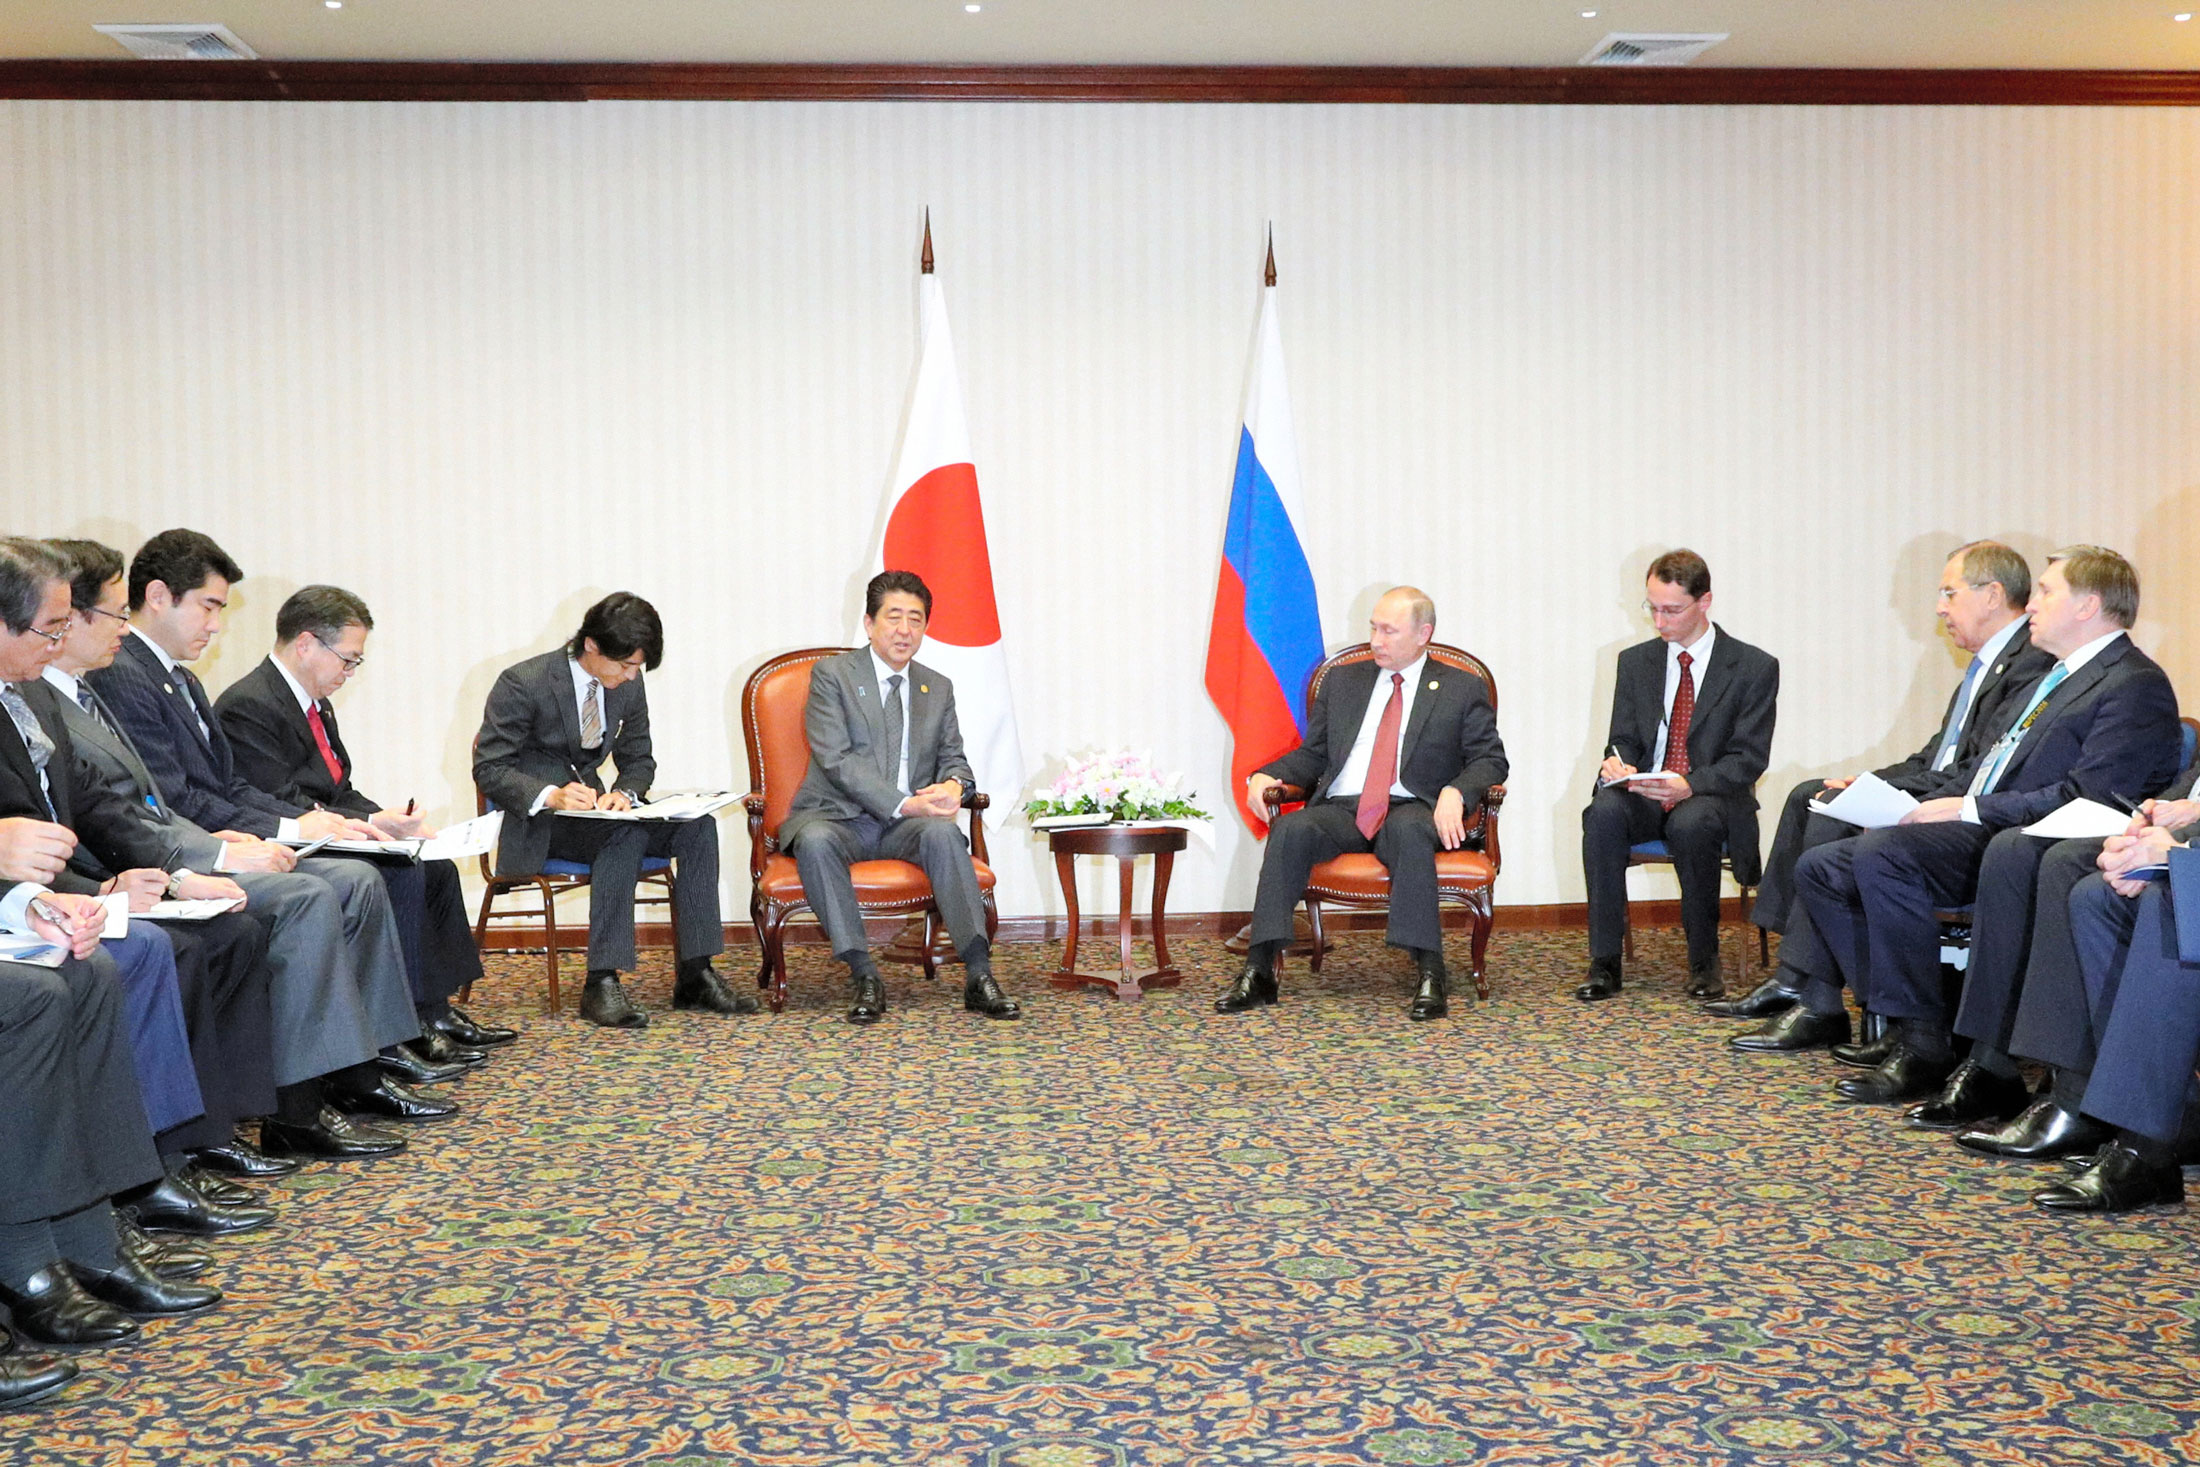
1676, 727
320, 736
1382, 762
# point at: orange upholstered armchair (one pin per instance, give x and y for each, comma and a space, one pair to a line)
1467, 876
772, 704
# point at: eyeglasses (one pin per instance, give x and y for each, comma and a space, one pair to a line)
56, 634
1658, 613
351, 664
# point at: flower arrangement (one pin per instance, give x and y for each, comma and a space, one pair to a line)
1122, 785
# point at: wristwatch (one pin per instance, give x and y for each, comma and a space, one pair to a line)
176, 879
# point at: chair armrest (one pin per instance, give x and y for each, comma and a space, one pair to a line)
978, 803
1491, 803
760, 844
1276, 796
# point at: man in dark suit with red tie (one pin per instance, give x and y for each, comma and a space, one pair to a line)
284, 741
1696, 704
1398, 749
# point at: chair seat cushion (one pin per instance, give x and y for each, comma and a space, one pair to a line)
877, 883
556, 867
1362, 878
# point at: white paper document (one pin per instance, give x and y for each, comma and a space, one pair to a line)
665, 807
190, 909
1644, 776
467, 838
2079, 820
1868, 803
32, 949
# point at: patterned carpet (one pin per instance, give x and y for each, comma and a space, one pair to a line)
1143, 1234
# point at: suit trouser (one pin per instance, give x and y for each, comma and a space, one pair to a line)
1872, 900
2020, 934
614, 850
2150, 1039
160, 1042
338, 990
1800, 829
221, 973
825, 850
1405, 843
2066, 1005
73, 1129
1694, 831
432, 930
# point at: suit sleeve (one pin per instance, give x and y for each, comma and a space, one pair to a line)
507, 728
632, 751
138, 709
1481, 751
108, 825
1742, 762
2131, 738
1304, 765
260, 748
832, 752
1623, 737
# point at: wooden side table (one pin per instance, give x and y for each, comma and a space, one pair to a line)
1126, 843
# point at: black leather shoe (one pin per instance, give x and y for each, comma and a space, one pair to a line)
32, 1378
1905, 1076
403, 1062
604, 1002
1249, 990
171, 1205
1705, 983
52, 1309
1792, 1032
982, 995
238, 1157
333, 1136
1768, 1000
135, 1289
1431, 1000
443, 1052
1971, 1096
471, 1032
219, 1189
2044, 1132
169, 1259
700, 987
2120, 1181
1604, 981
868, 1004
392, 1101
1873, 1044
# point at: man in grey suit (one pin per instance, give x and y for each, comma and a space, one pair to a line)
886, 776
335, 977
550, 724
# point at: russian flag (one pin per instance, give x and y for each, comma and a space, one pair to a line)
1266, 639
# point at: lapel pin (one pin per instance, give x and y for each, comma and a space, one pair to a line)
167, 687
924, 687
1432, 685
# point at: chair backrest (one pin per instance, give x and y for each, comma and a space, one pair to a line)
1448, 655
772, 704
2188, 739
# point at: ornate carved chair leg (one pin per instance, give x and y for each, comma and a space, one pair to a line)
774, 937
1314, 921
550, 940
1485, 917
931, 935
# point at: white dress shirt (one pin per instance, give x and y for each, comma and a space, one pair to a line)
1699, 659
883, 671
1353, 777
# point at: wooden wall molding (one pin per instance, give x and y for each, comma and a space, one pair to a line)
452, 81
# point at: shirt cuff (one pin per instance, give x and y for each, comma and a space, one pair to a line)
1970, 810
15, 907
542, 799
287, 829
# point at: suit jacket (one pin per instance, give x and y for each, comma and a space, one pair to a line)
109, 836
1729, 734
273, 744
2012, 677
196, 771
1449, 741
845, 721
2108, 731
105, 756
531, 737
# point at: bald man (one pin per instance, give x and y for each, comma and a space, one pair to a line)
1398, 750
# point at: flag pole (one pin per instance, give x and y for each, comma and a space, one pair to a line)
1269, 275
924, 260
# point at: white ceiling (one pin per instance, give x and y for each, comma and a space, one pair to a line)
2113, 34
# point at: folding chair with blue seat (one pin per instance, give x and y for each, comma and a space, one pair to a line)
1657, 853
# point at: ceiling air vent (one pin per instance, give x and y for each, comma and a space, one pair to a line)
186, 42
1635, 48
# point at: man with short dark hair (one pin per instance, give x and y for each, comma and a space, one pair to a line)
887, 776
1694, 708
282, 733
550, 724
2101, 725
1399, 751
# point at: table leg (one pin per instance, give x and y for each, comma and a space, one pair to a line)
1164, 972
1065, 867
1125, 915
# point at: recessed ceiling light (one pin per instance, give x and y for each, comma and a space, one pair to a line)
1588, 15
333, 4
972, 9
2182, 15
